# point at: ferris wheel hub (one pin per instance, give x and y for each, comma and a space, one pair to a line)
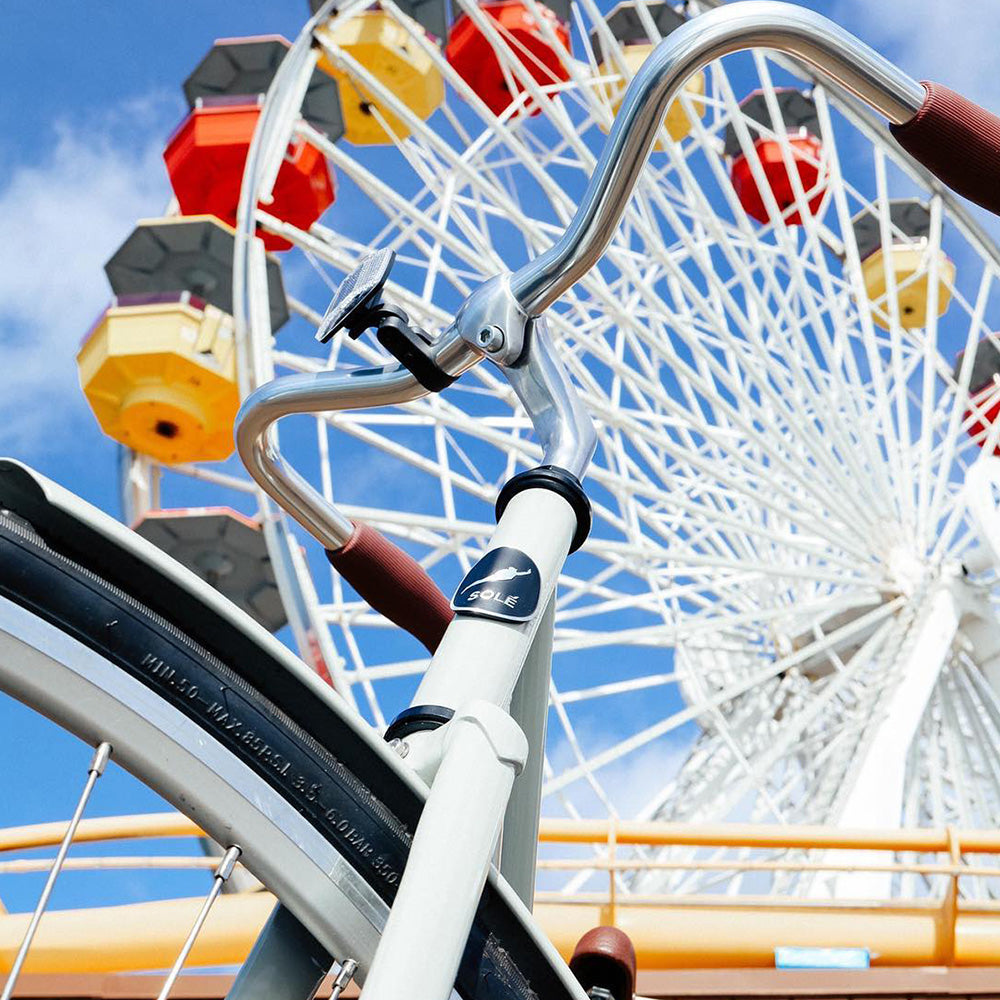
906, 569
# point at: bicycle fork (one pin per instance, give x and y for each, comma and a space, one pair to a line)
482, 750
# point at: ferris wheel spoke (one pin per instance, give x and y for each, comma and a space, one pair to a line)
928, 386
954, 428
798, 259
984, 726
737, 420
216, 477
387, 671
569, 734
822, 754
866, 326
478, 254
981, 694
787, 737
901, 410
356, 658
574, 589
958, 760
703, 518
699, 462
660, 729
801, 378
838, 353
617, 687
934, 794
459, 164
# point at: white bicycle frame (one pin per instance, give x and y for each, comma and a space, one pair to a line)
470, 762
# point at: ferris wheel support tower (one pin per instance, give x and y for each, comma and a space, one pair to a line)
951, 611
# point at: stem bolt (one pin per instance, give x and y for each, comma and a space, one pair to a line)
490, 339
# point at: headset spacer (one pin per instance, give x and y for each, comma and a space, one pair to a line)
419, 718
552, 477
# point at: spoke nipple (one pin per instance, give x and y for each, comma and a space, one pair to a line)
490, 339
100, 760
228, 863
345, 975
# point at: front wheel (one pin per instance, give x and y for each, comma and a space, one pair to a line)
116, 644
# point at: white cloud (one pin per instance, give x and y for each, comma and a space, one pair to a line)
629, 782
62, 217
932, 40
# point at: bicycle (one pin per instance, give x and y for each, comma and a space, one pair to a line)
104, 634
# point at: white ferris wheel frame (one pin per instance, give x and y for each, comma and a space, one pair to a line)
470, 762
307, 613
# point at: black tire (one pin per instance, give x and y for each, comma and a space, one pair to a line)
72, 577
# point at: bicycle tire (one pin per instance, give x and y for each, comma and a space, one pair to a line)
223, 675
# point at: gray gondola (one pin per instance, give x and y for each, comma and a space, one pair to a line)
225, 549
797, 109
241, 67
985, 365
908, 217
187, 254
626, 24
431, 15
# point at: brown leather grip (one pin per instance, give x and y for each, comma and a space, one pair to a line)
394, 584
605, 957
958, 141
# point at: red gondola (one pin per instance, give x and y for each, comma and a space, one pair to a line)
472, 54
798, 113
984, 389
205, 159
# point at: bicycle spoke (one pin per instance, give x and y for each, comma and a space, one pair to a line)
96, 768
219, 879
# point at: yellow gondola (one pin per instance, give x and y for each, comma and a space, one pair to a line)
389, 52
910, 267
159, 372
908, 258
677, 121
624, 23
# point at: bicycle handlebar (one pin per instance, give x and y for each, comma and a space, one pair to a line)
957, 141
771, 24
392, 582
952, 137
256, 440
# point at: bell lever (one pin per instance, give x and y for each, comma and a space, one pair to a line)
358, 306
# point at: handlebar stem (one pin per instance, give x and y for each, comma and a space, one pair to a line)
564, 428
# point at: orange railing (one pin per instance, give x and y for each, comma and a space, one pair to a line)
670, 930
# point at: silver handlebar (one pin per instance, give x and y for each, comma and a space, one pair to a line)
257, 443
767, 24
513, 302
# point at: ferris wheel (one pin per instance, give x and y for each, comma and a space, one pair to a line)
786, 610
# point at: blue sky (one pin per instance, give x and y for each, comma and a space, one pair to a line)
90, 94
89, 97
87, 104
87, 107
